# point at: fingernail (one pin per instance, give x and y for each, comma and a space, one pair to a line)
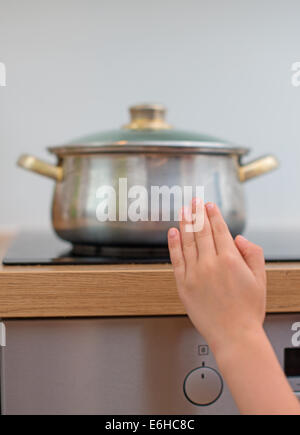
172, 232
210, 205
243, 238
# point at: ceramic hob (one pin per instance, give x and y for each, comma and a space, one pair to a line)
45, 248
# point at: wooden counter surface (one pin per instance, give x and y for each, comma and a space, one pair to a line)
115, 290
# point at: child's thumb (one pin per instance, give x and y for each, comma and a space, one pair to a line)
253, 256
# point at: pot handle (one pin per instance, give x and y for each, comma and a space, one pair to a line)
257, 167
35, 165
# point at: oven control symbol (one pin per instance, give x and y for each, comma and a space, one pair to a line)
203, 386
203, 350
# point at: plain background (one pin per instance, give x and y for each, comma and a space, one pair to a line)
221, 67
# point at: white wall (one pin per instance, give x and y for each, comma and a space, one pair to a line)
222, 67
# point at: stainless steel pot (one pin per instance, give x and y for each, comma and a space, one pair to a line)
147, 152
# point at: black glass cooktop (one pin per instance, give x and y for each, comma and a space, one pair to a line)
45, 248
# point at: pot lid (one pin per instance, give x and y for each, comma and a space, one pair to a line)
148, 131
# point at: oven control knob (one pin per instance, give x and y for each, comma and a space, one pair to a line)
203, 386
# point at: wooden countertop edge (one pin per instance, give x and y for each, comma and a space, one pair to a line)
116, 290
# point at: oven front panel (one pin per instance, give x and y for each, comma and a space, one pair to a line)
149, 365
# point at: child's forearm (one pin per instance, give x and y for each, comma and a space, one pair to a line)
254, 376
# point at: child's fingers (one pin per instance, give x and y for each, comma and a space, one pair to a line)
187, 236
222, 237
176, 253
253, 256
203, 235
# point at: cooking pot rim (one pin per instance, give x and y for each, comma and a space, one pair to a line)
157, 147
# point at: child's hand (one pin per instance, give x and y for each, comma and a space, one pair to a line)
221, 282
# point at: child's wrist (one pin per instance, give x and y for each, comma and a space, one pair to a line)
226, 348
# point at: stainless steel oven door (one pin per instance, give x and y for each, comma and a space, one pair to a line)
154, 365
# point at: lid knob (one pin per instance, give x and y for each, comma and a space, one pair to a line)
147, 117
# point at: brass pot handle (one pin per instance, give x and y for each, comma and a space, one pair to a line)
35, 165
257, 167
